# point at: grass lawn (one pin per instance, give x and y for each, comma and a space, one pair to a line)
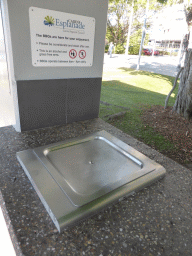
135, 90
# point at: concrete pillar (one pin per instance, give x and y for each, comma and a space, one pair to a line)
55, 55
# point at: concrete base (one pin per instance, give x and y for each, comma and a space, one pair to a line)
45, 103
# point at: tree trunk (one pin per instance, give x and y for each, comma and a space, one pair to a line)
183, 103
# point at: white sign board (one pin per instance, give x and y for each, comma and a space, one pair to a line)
61, 39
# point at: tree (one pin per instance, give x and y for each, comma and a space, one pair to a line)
117, 24
118, 20
183, 103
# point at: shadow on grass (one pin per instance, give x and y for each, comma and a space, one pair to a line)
126, 95
136, 99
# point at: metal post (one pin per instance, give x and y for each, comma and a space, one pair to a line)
154, 43
143, 34
129, 30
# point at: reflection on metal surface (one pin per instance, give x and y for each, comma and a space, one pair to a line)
71, 166
78, 176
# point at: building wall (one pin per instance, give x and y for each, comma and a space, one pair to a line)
21, 45
48, 96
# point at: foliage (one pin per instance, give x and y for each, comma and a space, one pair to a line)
135, 90
50, 20
120, 49
118, 23
106, 48
188, 12
187, 4
135, 41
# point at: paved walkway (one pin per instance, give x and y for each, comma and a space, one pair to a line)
156, 221
165, 65
162, 65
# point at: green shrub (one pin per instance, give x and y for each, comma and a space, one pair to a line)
163, 52
174, 54
106, 48
160, 52
119, 49
134, 49
135, 41
166, 53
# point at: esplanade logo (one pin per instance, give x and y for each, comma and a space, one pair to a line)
49, 21
73, 24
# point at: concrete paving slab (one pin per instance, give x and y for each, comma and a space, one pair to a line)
165, 65
154, 221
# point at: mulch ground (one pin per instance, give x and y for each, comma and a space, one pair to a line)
174, 128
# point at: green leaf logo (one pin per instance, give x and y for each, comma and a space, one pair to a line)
49, 21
